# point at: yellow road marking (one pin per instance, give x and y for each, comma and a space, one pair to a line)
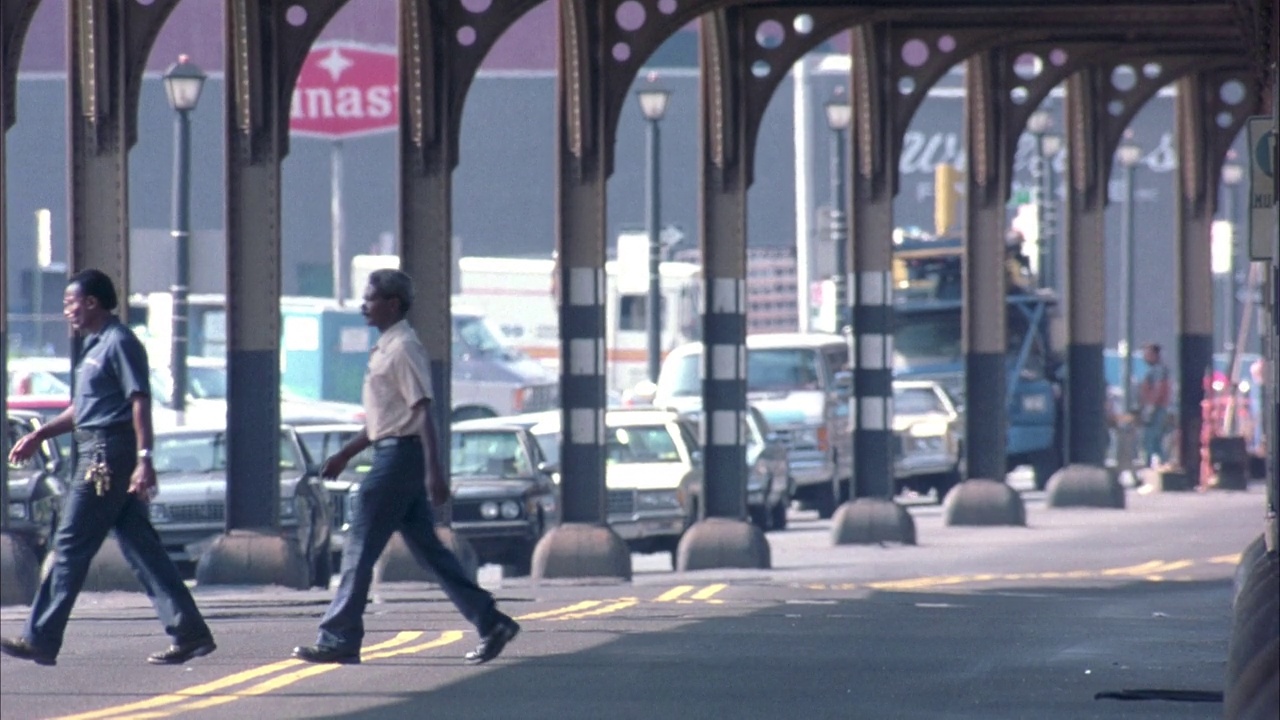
621, 604
706, 592
673, 594
282, 681
215, 685
585, 605
1233, 559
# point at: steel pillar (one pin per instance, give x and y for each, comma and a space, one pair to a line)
266, 43
984, 272
1089, 163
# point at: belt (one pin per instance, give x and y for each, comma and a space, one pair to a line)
101, 435
390, 442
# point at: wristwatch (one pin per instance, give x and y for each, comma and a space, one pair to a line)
144, 454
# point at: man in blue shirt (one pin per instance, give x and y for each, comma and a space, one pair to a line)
1154, 394
111, 486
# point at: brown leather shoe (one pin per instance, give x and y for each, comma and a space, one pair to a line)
24, 650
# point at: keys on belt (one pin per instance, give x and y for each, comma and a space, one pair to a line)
98, 474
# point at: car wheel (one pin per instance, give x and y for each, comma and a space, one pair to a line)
322, 567
943, 483
1044, 465
759, 517
825, 500
520, 563
778, 514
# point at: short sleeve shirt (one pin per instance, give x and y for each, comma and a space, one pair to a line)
397, 379
1156, 374
113, 368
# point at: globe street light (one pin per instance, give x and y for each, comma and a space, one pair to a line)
183, 82
1129, 155
839, 117
653, 105
1232, 176
1047, 146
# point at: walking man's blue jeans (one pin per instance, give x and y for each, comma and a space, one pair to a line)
1153, 434
86, 520
393, 496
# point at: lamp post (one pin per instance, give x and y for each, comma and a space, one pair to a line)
1047, 146
839, 116
1232, 176
1129, 155
183, 82
653, 105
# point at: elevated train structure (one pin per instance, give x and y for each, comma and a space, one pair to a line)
1220, 54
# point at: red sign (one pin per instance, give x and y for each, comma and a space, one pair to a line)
345, 91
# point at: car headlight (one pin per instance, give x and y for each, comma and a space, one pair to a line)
489, 510
931, 444
287, 509
1037, 403
510, 509
658, 500
17, 511
159, 513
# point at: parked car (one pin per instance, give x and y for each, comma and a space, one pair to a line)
928, 435
504, 496
319, 442
207, 396
653, 475
35, 486
769, 483
39, 375
191, 466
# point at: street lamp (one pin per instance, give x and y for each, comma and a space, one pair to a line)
653, 105
1232, 176
839, 117
183, 82
1129, 155
1047, 146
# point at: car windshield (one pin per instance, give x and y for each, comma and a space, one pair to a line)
681, 376
932, 337
471, 335
205, 453
320, 444
641, 444
37, 382
916, 401
488, 452
783, 369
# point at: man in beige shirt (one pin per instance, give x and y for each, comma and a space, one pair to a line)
397, 398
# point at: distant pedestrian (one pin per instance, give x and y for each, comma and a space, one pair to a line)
1153, 395
397, 397
111, 487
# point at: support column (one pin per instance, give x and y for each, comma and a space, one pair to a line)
984, 497
1193, 273
265, 46
871, 516
584, 545
724, 538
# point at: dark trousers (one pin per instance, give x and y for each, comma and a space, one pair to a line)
393, 496
86, 520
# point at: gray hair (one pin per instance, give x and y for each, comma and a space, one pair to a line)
390, 283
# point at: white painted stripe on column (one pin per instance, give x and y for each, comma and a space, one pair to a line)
875, 288
726, 295
872, 416
888, 411
853, 412
872, 355
585, 426
584, 288
888, 351
853, 347
724, 362
724, 427
585, 356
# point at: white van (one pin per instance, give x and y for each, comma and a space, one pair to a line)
801, 383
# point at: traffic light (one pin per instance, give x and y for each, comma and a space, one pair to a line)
946, 179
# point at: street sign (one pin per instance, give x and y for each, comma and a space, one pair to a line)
346, 90
1262, 186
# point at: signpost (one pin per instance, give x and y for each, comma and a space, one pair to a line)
1262, 186
344, 91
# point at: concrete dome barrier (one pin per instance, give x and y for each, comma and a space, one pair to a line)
250, 557
398, 564
1252, 652
868, 521
579, 550
1255, 695
722, 543
983, 502
1084, 486
108, 571
19, 571
1252, 552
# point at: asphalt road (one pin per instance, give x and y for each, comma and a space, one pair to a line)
1027, 622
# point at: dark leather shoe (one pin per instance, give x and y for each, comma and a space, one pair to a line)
322, 654
182, 652
23, 650
492, 644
